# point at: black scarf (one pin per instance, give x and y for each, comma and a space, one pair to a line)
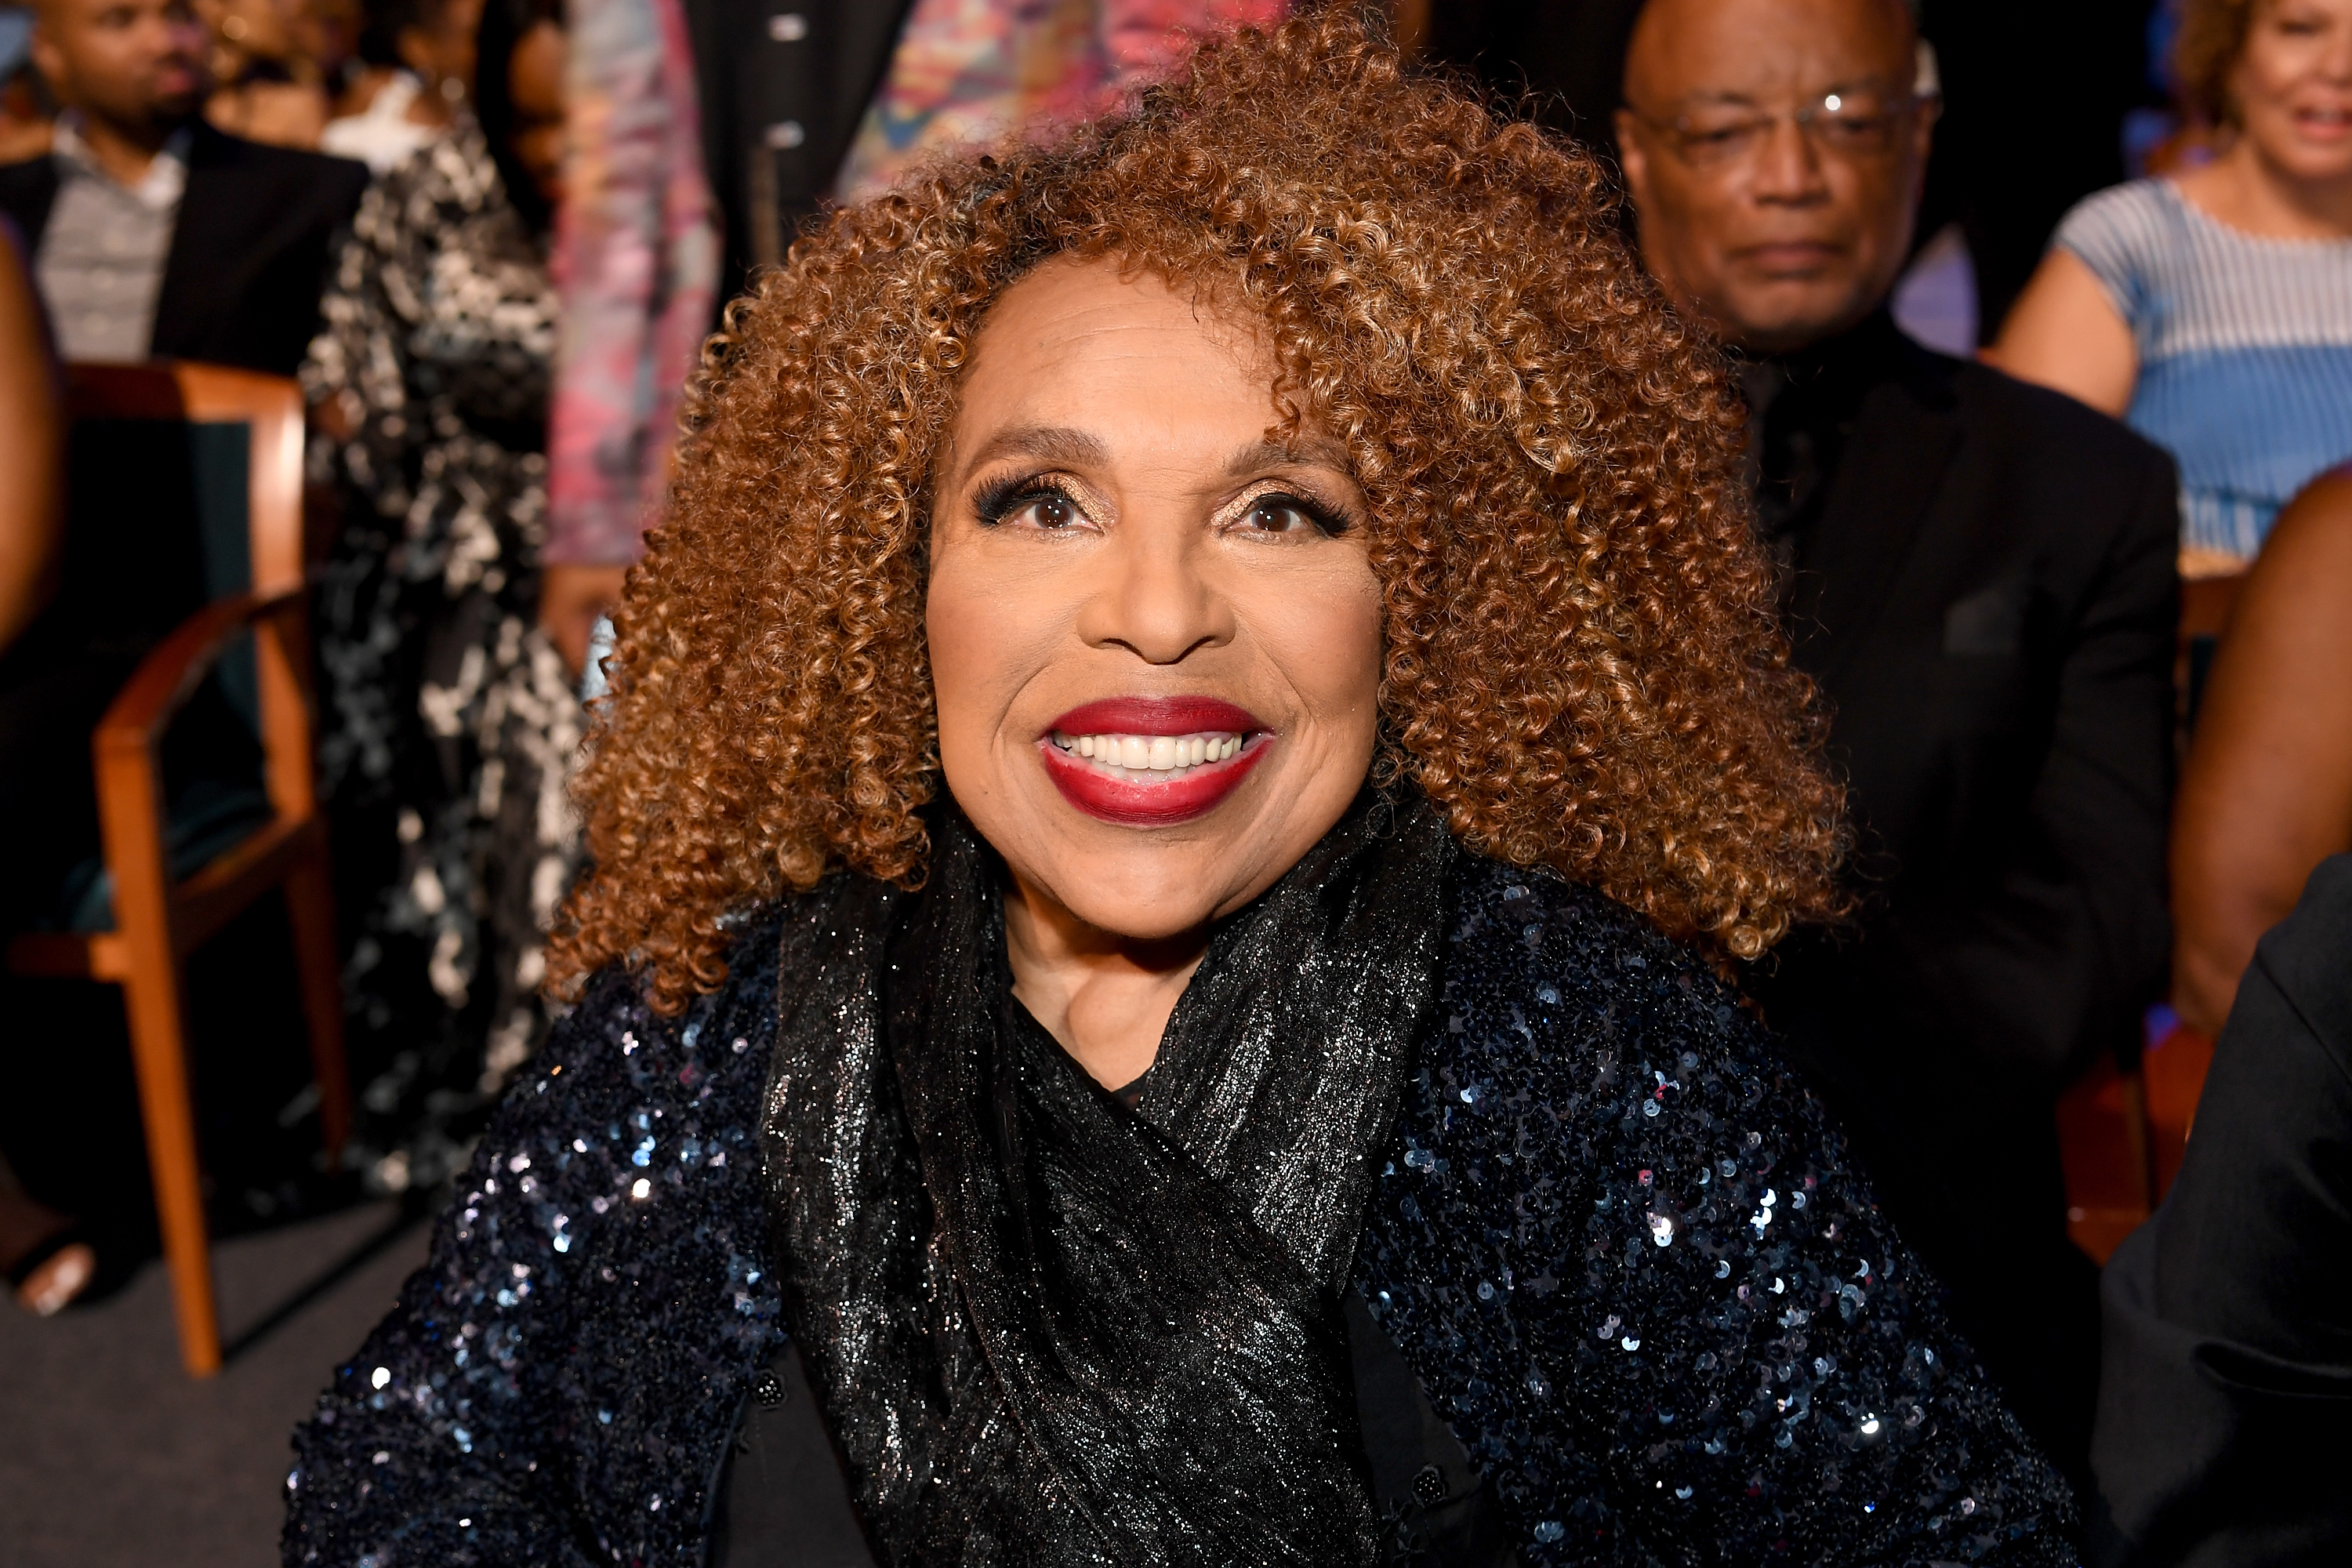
1047, 1329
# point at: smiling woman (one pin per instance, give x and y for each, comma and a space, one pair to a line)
1177, 795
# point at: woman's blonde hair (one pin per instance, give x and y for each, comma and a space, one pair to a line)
1582, 663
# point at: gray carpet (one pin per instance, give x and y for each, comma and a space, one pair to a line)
110, 1455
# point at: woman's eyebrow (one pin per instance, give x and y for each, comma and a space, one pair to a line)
1267, 454
1048, 443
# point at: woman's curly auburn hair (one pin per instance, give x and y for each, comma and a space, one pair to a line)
1583, 666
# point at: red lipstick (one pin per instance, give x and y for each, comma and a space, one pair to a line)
1141, 797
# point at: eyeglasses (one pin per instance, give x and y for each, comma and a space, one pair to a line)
1853, 126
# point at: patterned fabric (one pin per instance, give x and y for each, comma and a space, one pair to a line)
2245, 352
448, 722
969, 73
636, 256
382, 136
101, 266
1614, 1239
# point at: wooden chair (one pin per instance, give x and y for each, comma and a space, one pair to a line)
158, 919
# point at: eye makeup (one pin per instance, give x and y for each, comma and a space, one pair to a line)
999, 499
1328, 520
994, 500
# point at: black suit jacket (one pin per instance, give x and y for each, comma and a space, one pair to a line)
779, 107
249, 253
1983, 586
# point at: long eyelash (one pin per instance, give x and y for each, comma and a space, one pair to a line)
994, 500
1332, 521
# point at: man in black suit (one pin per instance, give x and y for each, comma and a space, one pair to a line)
1980, 577
152, 233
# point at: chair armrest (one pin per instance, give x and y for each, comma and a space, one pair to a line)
168, 675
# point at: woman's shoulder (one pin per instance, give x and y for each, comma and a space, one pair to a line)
1529, 939
2125, 232
2145, 211
1622, 1247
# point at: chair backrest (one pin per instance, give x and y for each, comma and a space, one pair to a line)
221, 451
185, 487
269, 408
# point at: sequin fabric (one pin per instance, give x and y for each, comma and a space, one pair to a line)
1621, 1245
558, 1385
1614, 1239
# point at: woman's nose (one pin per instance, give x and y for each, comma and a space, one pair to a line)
1154, 596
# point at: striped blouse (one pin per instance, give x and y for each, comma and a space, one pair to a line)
2245, 352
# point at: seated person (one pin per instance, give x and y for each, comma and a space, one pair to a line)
2267, 793
1175, 788
2228, 1372
152, 233
1980, 577
263, 88
2206, 305
418, 66
45, 715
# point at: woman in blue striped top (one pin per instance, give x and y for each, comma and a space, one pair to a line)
2213, 309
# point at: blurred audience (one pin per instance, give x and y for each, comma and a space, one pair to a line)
415, 68
1980, 577
264, 87
47, 706
2210, 308
2228, 1374
25, 112
448, 722
152, 232
31, 431
2267, 792
1999, 179
327, 34
791, 109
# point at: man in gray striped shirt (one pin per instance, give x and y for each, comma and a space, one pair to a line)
133, 72
154, 234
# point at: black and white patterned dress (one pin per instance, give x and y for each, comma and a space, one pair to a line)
448, 722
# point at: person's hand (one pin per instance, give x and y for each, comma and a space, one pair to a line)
571, 597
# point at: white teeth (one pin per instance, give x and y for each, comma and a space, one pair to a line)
1152, 753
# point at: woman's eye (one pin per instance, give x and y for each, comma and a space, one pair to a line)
1048, 510
1286, 514
1038, 506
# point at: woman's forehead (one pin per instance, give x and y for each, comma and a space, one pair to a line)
1072, 304
1106, 357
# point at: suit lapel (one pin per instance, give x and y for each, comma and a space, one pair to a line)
223, 229
28, 191
1893, 465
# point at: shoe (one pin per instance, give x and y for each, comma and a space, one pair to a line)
53, 1271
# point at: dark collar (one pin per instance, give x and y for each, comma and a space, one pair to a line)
1849, 440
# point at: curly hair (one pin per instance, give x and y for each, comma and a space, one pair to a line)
2205, 54
1581, 664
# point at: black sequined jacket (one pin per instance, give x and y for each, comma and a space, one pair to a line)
1614, 1237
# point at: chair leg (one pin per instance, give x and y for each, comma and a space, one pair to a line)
158, 1047
311, 910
